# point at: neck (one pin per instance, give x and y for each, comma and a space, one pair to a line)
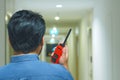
37, 51
20, 53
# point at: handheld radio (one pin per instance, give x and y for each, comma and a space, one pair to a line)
58, 50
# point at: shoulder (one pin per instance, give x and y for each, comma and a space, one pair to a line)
3, 70
2, 67
62, 71
55, 70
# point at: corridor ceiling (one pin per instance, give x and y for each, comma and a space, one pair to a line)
72, 10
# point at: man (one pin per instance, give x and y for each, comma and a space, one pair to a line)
26, 30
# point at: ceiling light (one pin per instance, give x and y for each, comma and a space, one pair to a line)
59, 6
53, 35
52, 40
57, 18
54, 31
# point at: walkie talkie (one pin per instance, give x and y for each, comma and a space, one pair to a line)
58, 50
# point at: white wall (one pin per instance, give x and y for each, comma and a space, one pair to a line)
83, 56
84, 60
106, 45
72, 54
116, 39
9, 8
2, 32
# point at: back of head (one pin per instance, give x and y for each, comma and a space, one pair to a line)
26, 30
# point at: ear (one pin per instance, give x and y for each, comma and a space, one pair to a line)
42, 41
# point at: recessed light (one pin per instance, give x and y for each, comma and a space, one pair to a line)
53, 35
59, 6
57, 18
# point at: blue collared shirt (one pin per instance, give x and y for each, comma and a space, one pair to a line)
29, 67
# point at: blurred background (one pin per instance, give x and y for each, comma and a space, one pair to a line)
93, 44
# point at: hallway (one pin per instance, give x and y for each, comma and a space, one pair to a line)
93, 44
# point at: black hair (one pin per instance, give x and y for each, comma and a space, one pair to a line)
26, 30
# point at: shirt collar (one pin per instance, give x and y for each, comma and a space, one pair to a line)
24, 57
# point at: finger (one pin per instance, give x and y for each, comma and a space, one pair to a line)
66, 51
52, 54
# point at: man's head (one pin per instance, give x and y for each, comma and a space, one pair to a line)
26, 30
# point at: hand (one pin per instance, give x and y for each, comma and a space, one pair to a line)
64, 58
